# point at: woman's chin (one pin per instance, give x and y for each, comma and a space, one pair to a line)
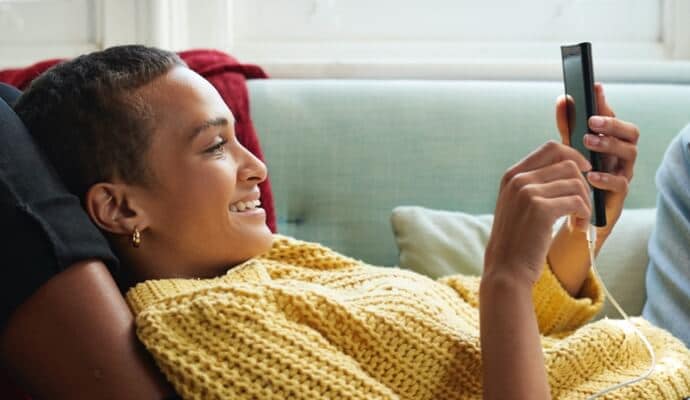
254, 241
265, 240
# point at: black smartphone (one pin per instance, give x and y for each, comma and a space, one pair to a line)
578, 78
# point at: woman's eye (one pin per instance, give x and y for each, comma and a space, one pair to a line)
218, 148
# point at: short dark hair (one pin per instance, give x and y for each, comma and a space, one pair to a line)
84, 115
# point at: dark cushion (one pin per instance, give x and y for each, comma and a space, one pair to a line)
45, 229
9, 93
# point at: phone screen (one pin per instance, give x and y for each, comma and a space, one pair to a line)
581, 104
578, 94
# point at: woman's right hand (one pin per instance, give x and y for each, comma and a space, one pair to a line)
542, 187
534, 193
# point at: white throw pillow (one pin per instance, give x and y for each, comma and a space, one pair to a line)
438, 243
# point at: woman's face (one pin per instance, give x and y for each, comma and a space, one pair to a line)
200, 206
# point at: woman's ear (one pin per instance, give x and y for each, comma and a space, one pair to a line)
111, 206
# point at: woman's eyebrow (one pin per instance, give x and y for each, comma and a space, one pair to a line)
219, 121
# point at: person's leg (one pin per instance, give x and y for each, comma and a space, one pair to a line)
668, 273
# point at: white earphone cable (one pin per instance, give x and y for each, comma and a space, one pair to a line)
592, 239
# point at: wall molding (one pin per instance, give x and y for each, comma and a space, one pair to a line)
671, 72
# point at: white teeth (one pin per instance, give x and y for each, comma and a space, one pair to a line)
245, 205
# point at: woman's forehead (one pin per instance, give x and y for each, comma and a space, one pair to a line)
181, 100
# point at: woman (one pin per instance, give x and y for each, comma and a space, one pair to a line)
148, 146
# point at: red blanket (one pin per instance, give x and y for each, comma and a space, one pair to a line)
228, 76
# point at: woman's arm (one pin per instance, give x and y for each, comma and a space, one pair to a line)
513, 363
74, 339
534, 193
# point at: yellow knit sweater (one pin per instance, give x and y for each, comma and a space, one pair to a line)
304, 322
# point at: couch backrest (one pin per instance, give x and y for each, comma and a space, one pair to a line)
342, 153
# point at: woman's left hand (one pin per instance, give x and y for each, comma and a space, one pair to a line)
568, 254
616, 140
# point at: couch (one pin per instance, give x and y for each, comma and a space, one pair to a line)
342, 154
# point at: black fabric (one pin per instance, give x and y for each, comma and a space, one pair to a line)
9, 93
43, 229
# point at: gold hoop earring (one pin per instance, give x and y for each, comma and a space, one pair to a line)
136, 238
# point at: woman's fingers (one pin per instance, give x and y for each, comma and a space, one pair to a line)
566, 169
610, 126
616, 138
569, 205
559, 188
560, 180
611, 145
609, 182
562, 112
624, 152
550, 153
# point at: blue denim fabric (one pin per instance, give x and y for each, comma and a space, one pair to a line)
668, 274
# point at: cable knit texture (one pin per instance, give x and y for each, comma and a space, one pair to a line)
304, 322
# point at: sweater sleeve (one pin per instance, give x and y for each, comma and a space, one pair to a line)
237, 342
557, 311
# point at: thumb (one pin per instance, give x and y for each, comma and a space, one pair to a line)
602, 105
562, 119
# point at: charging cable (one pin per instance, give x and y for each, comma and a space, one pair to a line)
592, 240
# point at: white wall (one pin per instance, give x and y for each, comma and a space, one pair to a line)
638, 40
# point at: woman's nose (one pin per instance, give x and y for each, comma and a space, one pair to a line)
253, 169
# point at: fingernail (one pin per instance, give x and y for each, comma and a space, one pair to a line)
597, 122
593, 139
595, 176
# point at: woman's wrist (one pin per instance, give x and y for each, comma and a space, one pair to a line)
568, 257
512, 359
500, 279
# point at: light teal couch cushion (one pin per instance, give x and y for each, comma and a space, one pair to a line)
438, 243
343, 153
